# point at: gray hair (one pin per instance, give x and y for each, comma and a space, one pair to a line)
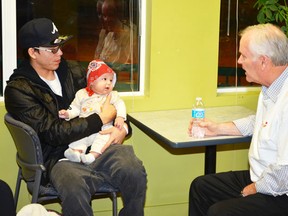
268, 40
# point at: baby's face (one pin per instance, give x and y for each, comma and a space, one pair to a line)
104, 84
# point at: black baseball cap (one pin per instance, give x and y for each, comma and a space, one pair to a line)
40, 32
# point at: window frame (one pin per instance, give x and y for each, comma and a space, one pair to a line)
9, 42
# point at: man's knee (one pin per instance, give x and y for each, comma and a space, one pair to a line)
197, 184
135, 174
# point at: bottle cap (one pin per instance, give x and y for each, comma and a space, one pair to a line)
198, 98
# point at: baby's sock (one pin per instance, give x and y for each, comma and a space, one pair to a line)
72, 155
87, 158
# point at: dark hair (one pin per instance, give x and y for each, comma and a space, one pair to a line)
26, 54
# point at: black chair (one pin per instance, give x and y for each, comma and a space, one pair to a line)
30, 162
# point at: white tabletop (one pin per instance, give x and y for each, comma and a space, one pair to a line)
170, 126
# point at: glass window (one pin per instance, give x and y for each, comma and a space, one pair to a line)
235, 15
102, 29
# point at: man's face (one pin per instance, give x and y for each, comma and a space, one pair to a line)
250, 63
109, 14
48, 58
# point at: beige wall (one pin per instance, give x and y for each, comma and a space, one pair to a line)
182, 49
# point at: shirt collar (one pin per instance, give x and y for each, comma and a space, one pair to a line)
274, 89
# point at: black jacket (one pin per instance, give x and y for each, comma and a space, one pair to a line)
29, 99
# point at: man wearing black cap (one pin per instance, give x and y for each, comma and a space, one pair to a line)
45, 83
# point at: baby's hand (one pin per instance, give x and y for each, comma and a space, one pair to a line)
119, 122
63, 114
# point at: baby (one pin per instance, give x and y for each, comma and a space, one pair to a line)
100, 82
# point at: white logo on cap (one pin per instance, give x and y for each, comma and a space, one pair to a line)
54, 29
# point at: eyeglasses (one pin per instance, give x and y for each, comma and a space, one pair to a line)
53, 50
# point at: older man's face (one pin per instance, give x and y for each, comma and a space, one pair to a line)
250, 63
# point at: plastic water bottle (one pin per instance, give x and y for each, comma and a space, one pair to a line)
198, 115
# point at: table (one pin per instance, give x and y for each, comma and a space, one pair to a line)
170, 128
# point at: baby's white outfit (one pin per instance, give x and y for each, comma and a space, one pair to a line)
84, 105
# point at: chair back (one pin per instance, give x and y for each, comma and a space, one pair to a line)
30, 161
29, 153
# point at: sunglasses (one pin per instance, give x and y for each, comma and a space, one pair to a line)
53, 50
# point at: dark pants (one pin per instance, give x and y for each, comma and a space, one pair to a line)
7, 207
219, 195
118, 166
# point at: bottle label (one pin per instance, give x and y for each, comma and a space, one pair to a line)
198, 113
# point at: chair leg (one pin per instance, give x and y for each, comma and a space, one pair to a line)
17, 189
114, 203
36, 186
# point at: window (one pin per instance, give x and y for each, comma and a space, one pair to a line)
235, 15
111, 30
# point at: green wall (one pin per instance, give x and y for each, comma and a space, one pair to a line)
182, 56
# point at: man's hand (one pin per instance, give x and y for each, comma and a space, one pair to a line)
119, 122
117, 136
108, 112
249, 190
210, 127
216, 129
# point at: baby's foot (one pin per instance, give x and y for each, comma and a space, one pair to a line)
72, 155
87, 158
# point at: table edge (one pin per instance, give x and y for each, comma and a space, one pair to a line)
159, 138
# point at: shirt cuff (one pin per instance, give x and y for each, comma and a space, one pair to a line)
126, 128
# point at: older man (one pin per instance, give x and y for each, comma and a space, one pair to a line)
263, 189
